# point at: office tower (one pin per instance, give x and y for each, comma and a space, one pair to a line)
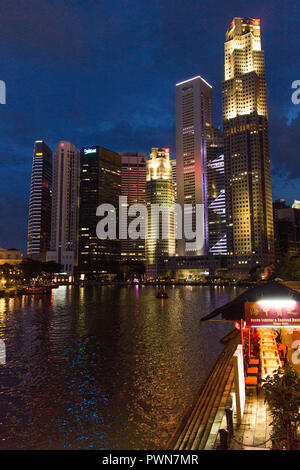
64, 218
216, 192
173, 164
100, 183
159, 190
287, 229
250, 237
193, 113
39, 220
133, 186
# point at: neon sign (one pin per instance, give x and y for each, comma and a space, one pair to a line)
272, 313
89, 151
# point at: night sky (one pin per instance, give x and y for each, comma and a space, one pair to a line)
103, 73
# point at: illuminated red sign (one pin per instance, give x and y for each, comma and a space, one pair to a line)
272, 313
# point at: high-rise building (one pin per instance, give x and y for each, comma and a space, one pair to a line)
64, 218
39, 220
134, 188
193, 113
100, 183
173, 164
250, 234
216, 192
159, 190
287, 229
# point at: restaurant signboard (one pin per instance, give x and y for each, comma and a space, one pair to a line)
272, 313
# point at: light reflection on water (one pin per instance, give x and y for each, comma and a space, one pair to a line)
104, 367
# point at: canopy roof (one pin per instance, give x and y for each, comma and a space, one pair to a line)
234, 310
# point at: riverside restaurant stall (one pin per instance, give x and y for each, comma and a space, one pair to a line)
268, 318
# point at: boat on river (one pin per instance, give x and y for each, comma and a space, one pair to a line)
34, 290
162, 294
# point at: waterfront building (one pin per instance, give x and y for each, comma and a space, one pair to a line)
39, 219
10, 256
133, 186
216, 192
250, 233
100, 183
193, 112
159, 190
64, 217
287, 229
194, 268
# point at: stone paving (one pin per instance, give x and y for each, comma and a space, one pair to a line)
255, 427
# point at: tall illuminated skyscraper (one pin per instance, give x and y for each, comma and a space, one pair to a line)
159, 190
193, 113
216, 192
100, 183
133, 186
64, 218
250, 237
39, 220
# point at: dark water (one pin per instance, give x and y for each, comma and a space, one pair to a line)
104, 367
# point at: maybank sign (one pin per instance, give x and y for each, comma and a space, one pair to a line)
89, 151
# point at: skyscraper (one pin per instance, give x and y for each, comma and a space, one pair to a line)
159, 190
39, 220
173, 164
134, 188
250, 237
100, 183
216, 192
64, 218
193, 113
287, 229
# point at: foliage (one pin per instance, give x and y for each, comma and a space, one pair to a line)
34, 269
282, 393
288, 269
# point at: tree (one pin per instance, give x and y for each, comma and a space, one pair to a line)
288, 269
282, 393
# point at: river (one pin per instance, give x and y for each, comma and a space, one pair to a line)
104, 367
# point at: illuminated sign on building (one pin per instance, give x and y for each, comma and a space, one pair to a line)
272, 313
89, 151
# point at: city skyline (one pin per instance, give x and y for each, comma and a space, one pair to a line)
16, 194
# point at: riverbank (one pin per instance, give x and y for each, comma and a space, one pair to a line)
21, 290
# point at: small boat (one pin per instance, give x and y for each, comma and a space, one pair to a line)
34, 290
162, 294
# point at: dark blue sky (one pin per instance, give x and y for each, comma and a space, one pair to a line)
103, 72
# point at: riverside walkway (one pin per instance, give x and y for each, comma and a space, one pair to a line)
199, 429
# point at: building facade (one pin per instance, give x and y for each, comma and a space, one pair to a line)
287, 229
64, 217
250, 234
100, 183
39, 219
133, 186
216, 192
193, 113
10, 256
159, 190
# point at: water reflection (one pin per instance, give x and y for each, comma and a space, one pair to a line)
104, 368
